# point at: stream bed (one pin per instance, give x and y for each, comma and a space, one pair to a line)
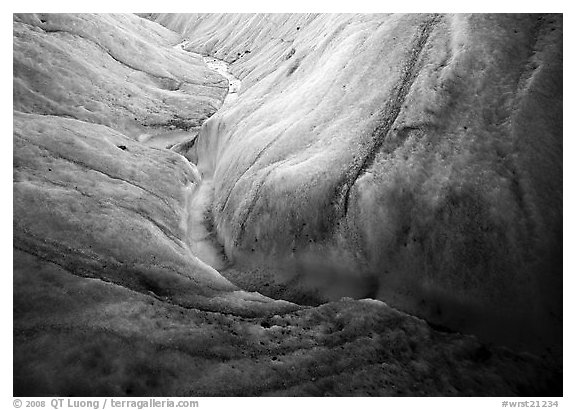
200, 238
171, 138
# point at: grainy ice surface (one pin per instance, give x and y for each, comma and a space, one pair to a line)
287, 204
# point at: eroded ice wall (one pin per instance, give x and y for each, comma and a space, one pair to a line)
418, 155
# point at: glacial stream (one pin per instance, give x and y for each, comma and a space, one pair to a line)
199, 236
222, 68
171, 138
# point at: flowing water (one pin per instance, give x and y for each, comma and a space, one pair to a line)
168, 139
222, 68
200, 237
